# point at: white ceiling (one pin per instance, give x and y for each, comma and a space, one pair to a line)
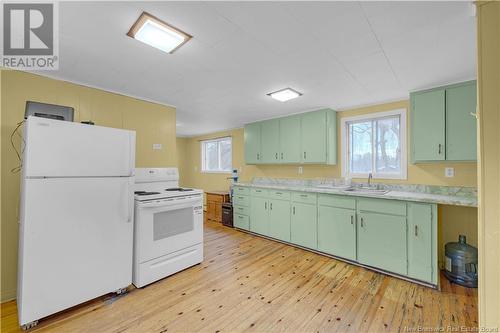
338, 54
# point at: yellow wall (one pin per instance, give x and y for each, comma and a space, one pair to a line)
489, 162
153, 123
454, 220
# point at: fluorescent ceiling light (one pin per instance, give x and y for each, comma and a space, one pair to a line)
284, 95
156, 33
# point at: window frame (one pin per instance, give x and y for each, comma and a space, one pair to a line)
202, 148
345, 121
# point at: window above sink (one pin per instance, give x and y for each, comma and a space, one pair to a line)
374, 143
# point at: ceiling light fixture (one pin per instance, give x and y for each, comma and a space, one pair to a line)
156, 33
284, 95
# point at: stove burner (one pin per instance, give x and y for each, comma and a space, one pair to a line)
179, 189
145, 193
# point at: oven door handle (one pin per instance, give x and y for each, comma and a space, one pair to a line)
171, 205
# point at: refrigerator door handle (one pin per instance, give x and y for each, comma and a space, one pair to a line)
132, 153
128, 203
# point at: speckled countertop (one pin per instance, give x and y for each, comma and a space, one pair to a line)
445, 195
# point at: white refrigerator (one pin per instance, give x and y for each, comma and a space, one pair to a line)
76, 215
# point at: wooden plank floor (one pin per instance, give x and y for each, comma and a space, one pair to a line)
251, 284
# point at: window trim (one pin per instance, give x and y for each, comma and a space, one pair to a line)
202, 149
403, 144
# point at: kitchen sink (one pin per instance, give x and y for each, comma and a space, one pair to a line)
333, 187
366, 190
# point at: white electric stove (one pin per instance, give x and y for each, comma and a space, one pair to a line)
168, 231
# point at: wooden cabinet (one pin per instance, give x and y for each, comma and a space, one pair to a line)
337, 231
252, 143
443, 126
306, 138
422, 232
214, 205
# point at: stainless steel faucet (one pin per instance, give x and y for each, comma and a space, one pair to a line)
370, 176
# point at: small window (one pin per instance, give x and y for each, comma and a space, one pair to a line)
376, 144
216, 155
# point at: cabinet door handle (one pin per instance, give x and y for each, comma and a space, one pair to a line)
293, 210
304, 155
271, 204
362, 222
352, 219
281, 155
265, 205
303, 195
416, 230
439, 149
258, 156
276, 155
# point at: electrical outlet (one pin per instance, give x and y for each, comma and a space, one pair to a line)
449, 172
157, 146
301, 170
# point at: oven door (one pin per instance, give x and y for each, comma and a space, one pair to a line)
166, 226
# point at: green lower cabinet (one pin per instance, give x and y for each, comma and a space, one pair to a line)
241, 221
303, 225
337, 231
420, 240
279, 219
259, 219
382, 241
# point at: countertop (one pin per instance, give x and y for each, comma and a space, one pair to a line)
396, 192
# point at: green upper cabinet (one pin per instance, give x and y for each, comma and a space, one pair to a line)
270, 141
305, 138
252, 143
428, 125
443, 126
313, 138
461, 123
422, 235
290, 150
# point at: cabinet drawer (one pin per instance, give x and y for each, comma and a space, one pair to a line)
241, 221
337, 201
215, 197
259, 192
304, 197
241, 200
383, 206
241, 190
241, 210
277, 194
